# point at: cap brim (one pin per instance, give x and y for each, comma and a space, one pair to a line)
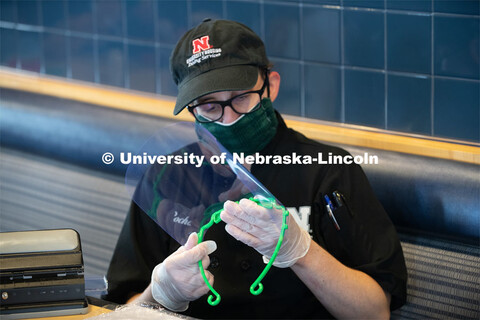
239, 77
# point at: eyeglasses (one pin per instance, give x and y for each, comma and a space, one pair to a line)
244, 103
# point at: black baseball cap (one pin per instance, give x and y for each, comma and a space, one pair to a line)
217, 55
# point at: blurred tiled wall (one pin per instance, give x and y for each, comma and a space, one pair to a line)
410, 66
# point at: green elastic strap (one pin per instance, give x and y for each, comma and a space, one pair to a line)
256, 288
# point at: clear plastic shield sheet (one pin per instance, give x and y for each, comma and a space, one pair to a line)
182, 175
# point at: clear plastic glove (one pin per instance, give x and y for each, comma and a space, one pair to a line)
177, 280
260, 228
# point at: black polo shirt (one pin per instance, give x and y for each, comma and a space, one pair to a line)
367, 240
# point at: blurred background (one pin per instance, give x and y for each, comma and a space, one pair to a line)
410, 66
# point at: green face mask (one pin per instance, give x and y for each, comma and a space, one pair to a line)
250, 133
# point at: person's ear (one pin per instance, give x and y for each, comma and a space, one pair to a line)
274, 84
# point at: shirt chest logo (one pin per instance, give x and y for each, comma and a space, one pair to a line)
302, 217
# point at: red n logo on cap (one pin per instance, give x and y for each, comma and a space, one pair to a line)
201, 44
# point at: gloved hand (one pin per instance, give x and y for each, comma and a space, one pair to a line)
260, 228
177, 280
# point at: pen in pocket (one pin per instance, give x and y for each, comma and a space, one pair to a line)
340, 201
329, 207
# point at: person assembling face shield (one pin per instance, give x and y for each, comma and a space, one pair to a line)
226, 82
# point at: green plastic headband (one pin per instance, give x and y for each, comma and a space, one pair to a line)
256, 288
